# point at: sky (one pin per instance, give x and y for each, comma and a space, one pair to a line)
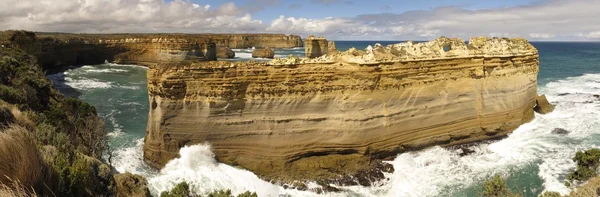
552, 20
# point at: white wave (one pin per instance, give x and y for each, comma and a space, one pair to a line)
130, 159
243, 55
96, 69
125, 65
86, 84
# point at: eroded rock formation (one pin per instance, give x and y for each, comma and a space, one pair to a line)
322, 118
263, 53
225, 52
316, 46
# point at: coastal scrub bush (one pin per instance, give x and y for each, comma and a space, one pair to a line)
550, 194
180, 190
496, 187
587, 163
248, 194
221, 193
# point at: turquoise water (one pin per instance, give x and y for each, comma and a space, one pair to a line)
532, 159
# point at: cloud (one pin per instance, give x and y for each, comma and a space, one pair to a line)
543, 20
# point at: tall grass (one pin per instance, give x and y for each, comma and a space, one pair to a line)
21, 160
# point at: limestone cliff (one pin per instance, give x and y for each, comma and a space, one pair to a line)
317, 119
57, 49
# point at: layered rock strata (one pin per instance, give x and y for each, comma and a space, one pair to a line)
56, 49
322, 118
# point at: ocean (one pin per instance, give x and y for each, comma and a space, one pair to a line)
531, 158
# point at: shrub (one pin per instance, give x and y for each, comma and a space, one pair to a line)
221, 193
496, 187
587, 163
248, 194
550, 194
180, 190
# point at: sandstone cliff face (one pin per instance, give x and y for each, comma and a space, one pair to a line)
56, 50
316, 119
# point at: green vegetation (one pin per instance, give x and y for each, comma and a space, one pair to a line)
550, 194
68, 133
587, 163
183, 190
180, 190
496, 187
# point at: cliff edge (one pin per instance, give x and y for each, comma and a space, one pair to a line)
337, 115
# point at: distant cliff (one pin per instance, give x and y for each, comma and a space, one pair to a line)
57, 49
319, 119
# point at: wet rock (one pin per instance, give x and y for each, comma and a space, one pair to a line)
225, 52
263, 53
542, 105
560, 131
131, 185
465, 151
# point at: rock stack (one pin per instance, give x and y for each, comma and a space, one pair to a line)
316, 46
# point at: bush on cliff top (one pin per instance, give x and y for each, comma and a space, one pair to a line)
587, 163
183, 190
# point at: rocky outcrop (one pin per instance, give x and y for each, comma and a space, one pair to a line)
542, 105
225, 52
56, 49
263, 53
322, 118
316, 46
128, 184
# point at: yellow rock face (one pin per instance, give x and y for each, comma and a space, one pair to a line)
313, 119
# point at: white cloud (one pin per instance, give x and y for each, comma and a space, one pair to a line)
548, 20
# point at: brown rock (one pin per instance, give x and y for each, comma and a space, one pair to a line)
131, 185
542, 105
263, 53
225, 52
319, 118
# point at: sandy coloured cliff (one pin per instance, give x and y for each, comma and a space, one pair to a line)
318, 119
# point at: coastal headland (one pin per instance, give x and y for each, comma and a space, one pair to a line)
336, 116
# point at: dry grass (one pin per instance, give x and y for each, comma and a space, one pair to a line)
21, 160
588, 189
22, 118
15, 190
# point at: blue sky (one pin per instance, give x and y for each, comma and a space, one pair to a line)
335, 19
